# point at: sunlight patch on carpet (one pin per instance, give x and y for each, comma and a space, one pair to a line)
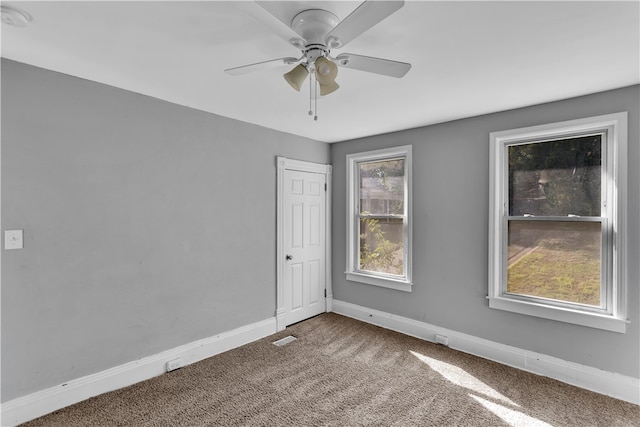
285, 340
461, 378
511, 417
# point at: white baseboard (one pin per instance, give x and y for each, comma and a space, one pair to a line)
329, 302
34, 405
608, 383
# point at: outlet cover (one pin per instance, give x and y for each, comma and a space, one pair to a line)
13, 239
174, 364
443, 340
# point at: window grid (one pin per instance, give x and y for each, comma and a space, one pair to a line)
386, 210
610, 312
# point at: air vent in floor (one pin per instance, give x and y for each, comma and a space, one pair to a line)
285, 340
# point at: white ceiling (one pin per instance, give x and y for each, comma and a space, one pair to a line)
469, 58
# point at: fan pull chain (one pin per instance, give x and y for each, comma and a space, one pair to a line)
313, 83
316, 101
310, 93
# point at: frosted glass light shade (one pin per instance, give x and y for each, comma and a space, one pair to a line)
326, 89
296, 77
326, 72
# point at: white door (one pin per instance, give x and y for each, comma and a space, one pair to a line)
304, 245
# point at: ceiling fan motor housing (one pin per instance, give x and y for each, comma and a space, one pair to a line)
313, 25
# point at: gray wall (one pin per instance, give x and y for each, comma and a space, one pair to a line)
147, 225
450, 239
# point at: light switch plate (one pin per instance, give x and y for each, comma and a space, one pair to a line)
13, 239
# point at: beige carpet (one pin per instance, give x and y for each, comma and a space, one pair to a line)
342, 372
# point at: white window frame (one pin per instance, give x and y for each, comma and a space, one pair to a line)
613, 316
353, 272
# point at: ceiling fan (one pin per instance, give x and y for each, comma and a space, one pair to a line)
316, 31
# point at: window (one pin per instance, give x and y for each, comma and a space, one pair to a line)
379, 218
557, 229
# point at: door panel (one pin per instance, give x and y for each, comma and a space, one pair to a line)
314, 276
304, 237
296, 227
314, 225
297, 284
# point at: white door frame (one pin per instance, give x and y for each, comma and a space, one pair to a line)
283, 164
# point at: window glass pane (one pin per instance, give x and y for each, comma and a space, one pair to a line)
382, 187
556, 260
381, 245
556, 178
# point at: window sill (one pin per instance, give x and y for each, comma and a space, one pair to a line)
400, 285
560, 314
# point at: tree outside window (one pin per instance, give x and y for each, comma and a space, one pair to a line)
379, 226
557, 221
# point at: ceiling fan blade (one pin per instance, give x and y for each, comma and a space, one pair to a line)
236, 71
260, 12
373, 65
360, 20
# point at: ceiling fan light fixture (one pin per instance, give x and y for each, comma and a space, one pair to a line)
315, 32
326, 89
296, 77
326, 72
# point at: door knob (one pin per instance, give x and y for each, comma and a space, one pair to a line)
289, 257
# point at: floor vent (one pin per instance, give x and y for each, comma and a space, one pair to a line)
285, 340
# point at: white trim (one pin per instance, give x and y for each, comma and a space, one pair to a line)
328, 252
560, 314
42, 402
283, 164
281, 309
608, 383
353, 273
302, 166
614, 208
385, 282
